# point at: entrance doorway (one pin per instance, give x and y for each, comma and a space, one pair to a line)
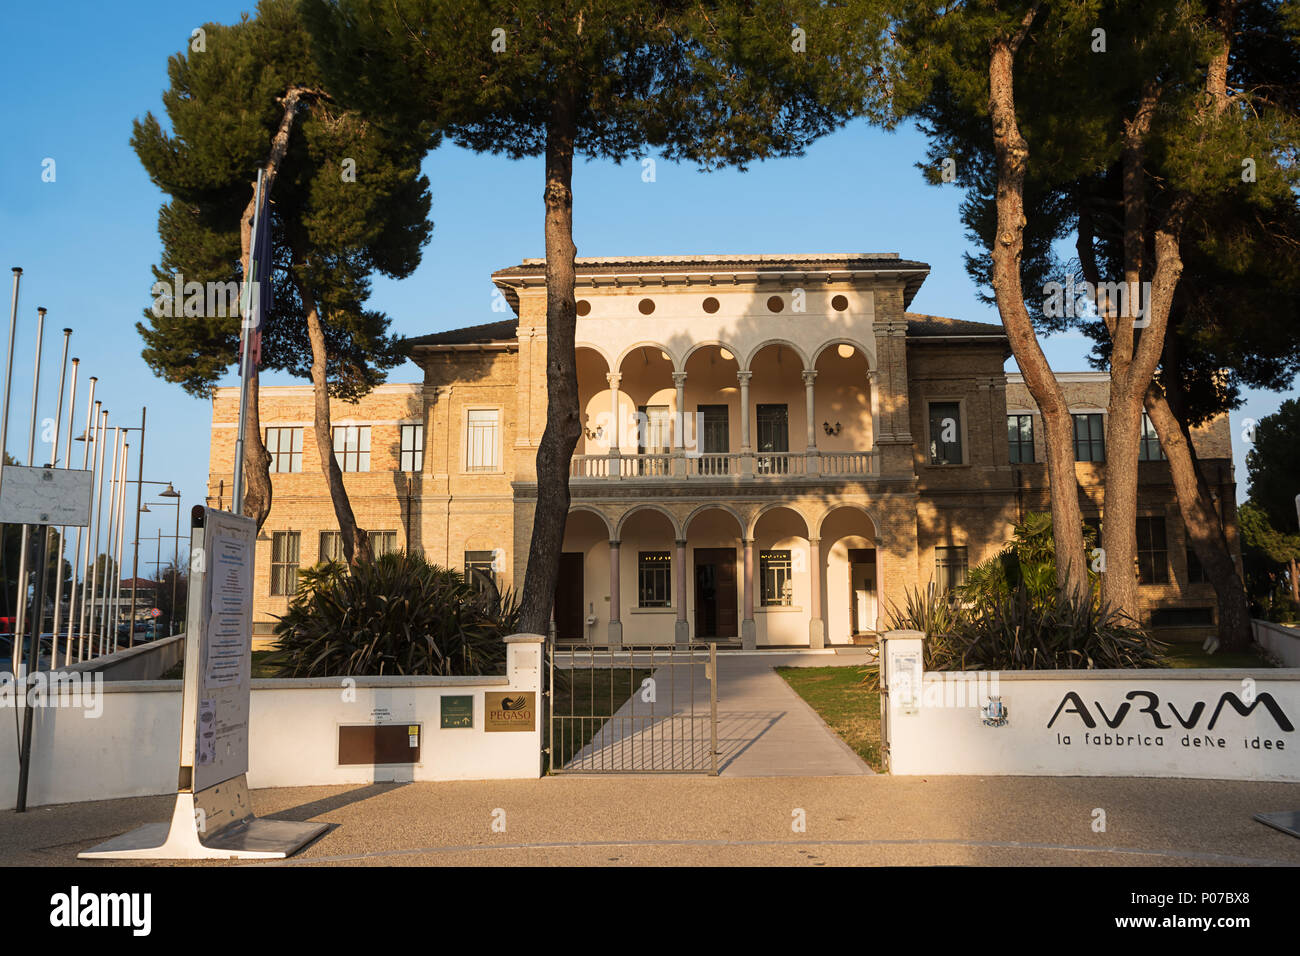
862, 592
568, 610
715, 593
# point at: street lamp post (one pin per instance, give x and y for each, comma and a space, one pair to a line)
168, 492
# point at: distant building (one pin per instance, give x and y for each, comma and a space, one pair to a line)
773, 451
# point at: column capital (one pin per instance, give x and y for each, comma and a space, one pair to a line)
614, 542
809, 375
744, 377
679, 379
814, 542
613, 378
681, 543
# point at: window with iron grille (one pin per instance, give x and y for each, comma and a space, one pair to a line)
383, 542
1149, 443
949, 567
1089, 437
1020, 439
778, 582
945, 433
480, 568
331, 546
284, 562
352, 447
482, 440
654, 577
1152, 552
1195, 570
412, 448
284, 445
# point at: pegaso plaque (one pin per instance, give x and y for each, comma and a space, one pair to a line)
509, 711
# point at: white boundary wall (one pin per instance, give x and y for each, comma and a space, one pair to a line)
132, 748
1279, 640
1150, 723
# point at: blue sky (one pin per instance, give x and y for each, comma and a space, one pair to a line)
87, 240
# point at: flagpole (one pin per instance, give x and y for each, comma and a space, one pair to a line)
245, 352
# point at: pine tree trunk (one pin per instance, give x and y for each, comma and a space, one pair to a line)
1295, 584
1205, 532
1012, 158
356, 542
562, 423
257, 460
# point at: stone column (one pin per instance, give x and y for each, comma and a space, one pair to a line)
748, 633
679, 426
615, 597
810, 413
615, 466
746, 452
682, 630
873, 383
816, 626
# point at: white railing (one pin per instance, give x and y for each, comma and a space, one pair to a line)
779, 463
646, 466
766, 464
711, 465
589, 466
849, 463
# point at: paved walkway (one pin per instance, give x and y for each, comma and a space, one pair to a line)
720, 821
764, 728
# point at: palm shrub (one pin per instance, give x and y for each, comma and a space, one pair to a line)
1014, 630
400, 614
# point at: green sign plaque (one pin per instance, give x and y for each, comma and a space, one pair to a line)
457, 712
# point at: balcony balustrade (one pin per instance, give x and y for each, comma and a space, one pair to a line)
760, 466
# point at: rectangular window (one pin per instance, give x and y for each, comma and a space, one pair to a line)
284, 562
480, 569
1089, 437
654, 579
331, 546
284, 445
1149, 444
778, 584
352, 447
482, 442
1195, 570
413, 448
945, 433
383, 542
1152, 553
1020, 439
949, 567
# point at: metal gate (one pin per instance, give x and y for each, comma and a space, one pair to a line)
632, 709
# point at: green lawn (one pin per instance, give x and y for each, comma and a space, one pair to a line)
1191, 655
849, 708
583, 699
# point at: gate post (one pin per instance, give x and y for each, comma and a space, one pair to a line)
713, 706
901, 670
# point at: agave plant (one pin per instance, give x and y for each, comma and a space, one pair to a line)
398, 615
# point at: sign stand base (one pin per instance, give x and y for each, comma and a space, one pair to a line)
240, 836
1288, 821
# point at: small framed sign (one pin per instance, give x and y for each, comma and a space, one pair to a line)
457, 712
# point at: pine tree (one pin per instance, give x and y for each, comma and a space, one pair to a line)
347, 200
716, 83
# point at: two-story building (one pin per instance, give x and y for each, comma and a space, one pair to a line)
774, 450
